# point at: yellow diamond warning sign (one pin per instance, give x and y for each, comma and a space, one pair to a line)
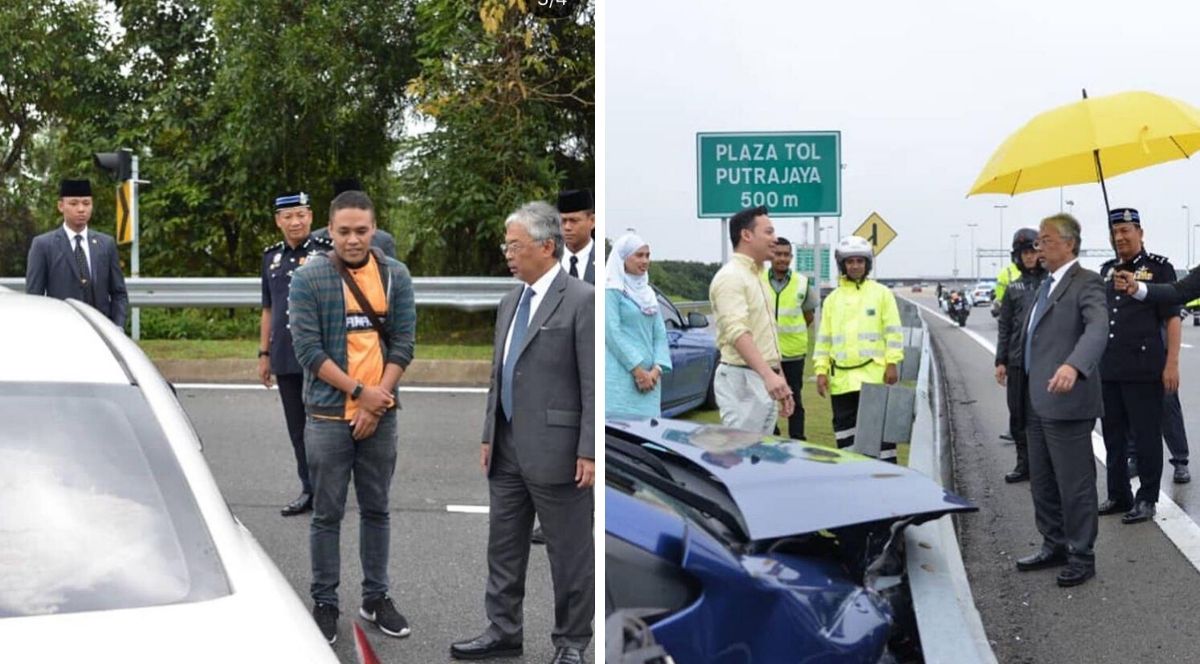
876, 231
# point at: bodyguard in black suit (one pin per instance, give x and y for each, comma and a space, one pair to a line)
578, 212
293, 216
75, 261
1134, 371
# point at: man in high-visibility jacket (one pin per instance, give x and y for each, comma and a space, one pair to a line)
859, 340
795, 304
1009, 274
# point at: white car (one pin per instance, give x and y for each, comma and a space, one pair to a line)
982, 293
115, 543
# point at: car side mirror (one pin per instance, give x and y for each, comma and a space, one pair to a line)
697, 319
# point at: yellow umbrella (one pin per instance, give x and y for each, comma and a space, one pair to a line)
1084, 141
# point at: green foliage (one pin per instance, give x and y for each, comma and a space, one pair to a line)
512, 96
200, 323
687, 280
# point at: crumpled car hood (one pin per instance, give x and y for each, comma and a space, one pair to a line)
785, 487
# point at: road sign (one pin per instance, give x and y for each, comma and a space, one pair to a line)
804, 260
124, 223
794, 174
876, 231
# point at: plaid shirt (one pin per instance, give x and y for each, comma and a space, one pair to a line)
317, 308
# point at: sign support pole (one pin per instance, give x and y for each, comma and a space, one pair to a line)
136, 324
724, 240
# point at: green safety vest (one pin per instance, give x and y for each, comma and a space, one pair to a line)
789, 314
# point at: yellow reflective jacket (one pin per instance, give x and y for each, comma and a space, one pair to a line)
1009, 274
860, 334
789, 315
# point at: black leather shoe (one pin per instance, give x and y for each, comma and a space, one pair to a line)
1005, 436
1142, 511
485, 646
567, 655
1018, 474
1182, 476
1075, 574
298, 506
1041, 560
1114, 507
538, 537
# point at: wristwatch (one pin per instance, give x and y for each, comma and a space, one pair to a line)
357, 391
264, 353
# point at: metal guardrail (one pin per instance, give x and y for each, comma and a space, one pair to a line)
950, 626
463, 293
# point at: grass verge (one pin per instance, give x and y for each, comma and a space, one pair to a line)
217, 349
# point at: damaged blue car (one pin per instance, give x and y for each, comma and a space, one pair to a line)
738, 547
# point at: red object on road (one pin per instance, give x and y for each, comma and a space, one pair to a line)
366, 654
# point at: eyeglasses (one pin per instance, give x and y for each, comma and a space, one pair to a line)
510, 248
1044, 241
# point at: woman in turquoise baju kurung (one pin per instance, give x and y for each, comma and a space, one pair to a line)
635, 338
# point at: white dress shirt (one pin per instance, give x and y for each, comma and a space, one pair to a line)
539, 289
581, 265
87, 251
1057, 277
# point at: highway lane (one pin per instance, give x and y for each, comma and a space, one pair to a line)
437, 566
1136, 608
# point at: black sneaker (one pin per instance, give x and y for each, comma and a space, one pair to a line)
326, 616
385, 616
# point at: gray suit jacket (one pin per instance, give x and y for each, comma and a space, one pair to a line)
1073, 330
382, 239
590, 274
554, 395
52, 270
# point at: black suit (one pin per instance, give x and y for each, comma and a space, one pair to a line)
52, 270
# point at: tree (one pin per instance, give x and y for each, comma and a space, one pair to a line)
511, 97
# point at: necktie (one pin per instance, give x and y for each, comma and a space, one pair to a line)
1039, 308
574, 272
520, 327
84, 273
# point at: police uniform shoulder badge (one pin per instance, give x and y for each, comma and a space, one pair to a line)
273, 247
1161, 260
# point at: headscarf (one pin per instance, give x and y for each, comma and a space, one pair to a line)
635, 287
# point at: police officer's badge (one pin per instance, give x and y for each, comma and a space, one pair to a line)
277, 260
1143, 274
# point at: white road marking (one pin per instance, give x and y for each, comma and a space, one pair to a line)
1174, 522
246, 386
468, 509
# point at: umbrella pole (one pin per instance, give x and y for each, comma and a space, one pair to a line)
1099, 171
1100, 175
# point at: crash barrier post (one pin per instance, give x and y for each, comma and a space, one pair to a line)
885, 415
462, 293
947, 620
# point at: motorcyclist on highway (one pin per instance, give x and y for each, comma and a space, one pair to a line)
1014, 305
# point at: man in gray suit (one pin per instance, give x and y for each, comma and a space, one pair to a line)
1065, 334
538, 442
74, 261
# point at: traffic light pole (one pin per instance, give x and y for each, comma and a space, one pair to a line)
135, 263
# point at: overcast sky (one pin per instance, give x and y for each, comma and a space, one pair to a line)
922, 93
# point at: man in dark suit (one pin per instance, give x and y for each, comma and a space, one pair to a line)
538, 442
381, 239
74, 261
1065, 334
578, 212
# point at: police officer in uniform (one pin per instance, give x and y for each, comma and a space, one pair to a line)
1134, 371
293, 216
1018, 298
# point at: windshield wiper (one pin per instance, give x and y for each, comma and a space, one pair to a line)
638, 452
686, 496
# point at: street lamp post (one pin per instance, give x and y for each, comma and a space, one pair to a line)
954, 273
1001, 209
975, 260
1188, 211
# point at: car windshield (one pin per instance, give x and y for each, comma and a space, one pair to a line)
96, 513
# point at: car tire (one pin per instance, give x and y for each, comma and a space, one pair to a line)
710, 397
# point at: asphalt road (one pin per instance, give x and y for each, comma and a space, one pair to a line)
437, 567
1139, 607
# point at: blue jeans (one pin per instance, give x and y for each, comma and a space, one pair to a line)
333, 455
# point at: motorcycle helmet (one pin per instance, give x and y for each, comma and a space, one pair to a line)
853, 246
1024, 239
